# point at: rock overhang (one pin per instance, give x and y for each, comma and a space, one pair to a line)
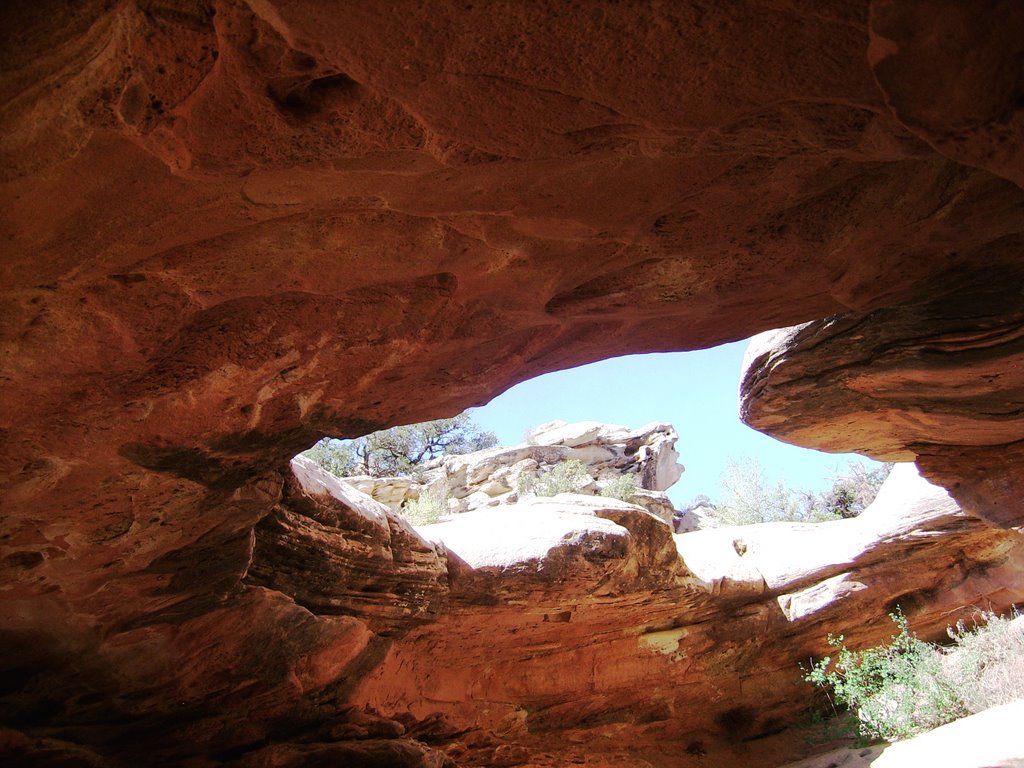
231, 228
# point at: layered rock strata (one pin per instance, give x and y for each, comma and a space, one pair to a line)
616, 629
231, 227
559, 629
931, 383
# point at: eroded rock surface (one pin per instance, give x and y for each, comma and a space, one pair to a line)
230, 228
505, 474
585, 619
631, 637
938, 384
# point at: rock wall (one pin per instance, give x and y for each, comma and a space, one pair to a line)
230, 227
504, 474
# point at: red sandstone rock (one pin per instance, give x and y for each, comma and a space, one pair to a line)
941, 383
231, 227
602, 632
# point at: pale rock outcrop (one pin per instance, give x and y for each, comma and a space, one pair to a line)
697, 517
502, 475
813, 561
389, 491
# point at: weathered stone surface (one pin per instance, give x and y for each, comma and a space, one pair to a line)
232, 227
335, 551
941, 383
628, 639
985, 740
502, 475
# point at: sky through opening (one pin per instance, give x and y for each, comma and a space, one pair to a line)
696, 392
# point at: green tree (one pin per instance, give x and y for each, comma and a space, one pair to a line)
400, 450
853, 490
336, 456
749, 498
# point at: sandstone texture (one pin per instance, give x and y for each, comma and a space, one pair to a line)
581, 628
230, 227
989, 739
905, 384
503, 475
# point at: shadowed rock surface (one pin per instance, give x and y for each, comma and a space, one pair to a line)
230, 228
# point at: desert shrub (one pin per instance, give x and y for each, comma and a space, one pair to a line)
853, 489
428, 508
749, 498
896, 690
621, 487
570, 476
988, 660
908, 686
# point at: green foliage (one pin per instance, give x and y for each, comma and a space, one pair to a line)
908, 686
429, 507
622, 487
852, 491
750, 498
989, 660
570, 476
400, 450
336, 456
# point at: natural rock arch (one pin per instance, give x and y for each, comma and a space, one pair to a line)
230, 228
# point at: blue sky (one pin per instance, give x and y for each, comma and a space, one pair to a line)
693, 391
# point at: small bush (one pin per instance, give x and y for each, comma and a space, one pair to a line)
622, 487
896, 690
570, 476
750, 498
428, 508
989, 659
909, 686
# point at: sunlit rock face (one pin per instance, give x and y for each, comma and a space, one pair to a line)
605, 452
581, 628
232, 227
941, 383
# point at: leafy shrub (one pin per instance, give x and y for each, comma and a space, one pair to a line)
852, 490
570, 476
909, 686
428, 507
621, 487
